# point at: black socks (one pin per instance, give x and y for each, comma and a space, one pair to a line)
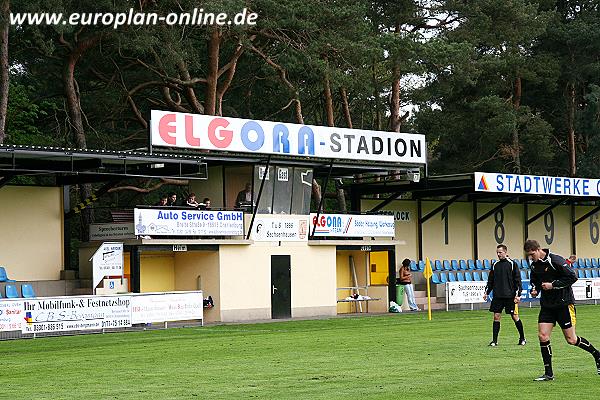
546, 350
519, 326
495, 331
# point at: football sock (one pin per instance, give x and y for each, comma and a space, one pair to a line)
583, 343
495, 331
519, 326
546, 350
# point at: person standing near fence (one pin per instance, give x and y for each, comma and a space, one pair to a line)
552, 277
406, 280
504, 281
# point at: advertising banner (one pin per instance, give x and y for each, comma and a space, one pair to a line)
161, 307
586, 289
283, 228
12, 316
73, 313
162, 222
530, 184
207, 132
107, 261
466, 292
112, 231
353, 225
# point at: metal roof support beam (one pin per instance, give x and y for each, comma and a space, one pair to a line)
324, 188
495, 209
440, 208
260, 190
386, 202
545, 210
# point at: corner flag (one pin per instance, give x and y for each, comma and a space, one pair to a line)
428, 273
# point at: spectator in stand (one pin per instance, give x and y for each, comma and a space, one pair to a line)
191, 201
172, 199
164, 201
205, 205
244, 198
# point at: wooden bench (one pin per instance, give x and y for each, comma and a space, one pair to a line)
121, 216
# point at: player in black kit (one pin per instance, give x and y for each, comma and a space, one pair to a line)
504, 281
552, 276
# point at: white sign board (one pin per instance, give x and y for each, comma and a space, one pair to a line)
194, 131
531, 184
586, 289
161, 307
107, 261
112, 231
161, 222
12, 315
280, 228
74, 313
353, 225
465, 292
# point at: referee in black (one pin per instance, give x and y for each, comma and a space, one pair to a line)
504, 281
553, 277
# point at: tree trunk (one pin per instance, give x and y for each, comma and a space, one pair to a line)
377, 121
571, 127
328, 100
346, 107
4, 27
72, 96
395, 118
516, 145
212, 77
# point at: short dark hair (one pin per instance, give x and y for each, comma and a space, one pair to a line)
531, 245
172, 194
406, 262
502, 246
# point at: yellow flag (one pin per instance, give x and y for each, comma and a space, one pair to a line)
428, 273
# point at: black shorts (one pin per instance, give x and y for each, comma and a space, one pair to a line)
499, 304
564, 315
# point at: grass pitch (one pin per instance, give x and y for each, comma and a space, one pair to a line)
394, 356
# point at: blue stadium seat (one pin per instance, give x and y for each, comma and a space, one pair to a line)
421, 265
413, 266
588, 273
437, 265
595, 273
27, 291
4, 276
460, 276
484, 275
453, 265
471, 264
462, 265
476, 275
524, 275
525, 263
468, 276
575, 264
587, 262
435, 278
443, 277
594, 263
518, 262
446, 265
11, 292
478, 264
452, 276
580, 273
486, 264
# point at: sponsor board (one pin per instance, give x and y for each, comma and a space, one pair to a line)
162, 307
280, 228
194, 131
353, 225
12, 316
161, 222
113, 231
531, 184
107, 261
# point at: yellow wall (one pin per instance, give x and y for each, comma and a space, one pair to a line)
460, 232
512, 221
245, 279
587, 232
31, 232
199, 270
561, 242
157, 272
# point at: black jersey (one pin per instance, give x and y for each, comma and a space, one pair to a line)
553, 268
504, 279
